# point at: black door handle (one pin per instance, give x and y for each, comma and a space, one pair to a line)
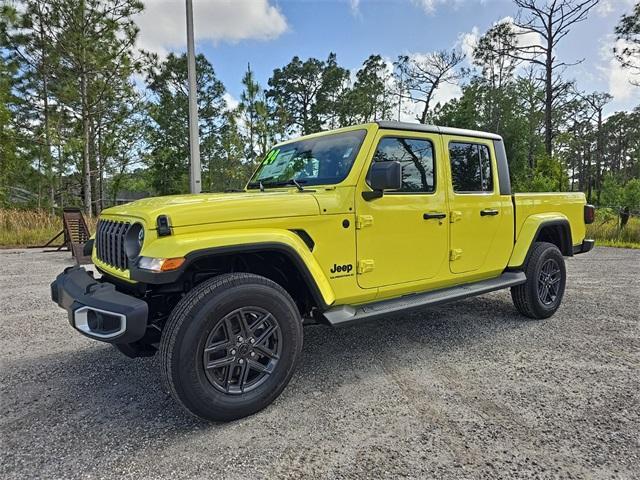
431, 216
484, 213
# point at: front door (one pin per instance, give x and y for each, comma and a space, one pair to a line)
402, 236
477, 210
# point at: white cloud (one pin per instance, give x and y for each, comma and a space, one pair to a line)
607, 7
231, 101
355, 7
467, 42
430, 6
618, 79
163, 22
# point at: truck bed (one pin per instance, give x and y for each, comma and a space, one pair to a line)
568, 204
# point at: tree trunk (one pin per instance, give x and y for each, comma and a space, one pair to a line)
548, 104
44, 73
86, 125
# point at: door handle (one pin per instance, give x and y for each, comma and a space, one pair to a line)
484, 213
431, 216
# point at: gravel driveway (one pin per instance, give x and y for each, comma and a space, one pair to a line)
470, 390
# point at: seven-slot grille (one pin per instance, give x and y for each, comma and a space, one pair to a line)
110, 243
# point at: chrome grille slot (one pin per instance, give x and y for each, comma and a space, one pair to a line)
110, 236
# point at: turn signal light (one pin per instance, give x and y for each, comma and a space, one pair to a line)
172, 264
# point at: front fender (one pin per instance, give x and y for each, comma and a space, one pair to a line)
196, 245
529, 231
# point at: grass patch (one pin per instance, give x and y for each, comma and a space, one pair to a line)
25, 228
607, 232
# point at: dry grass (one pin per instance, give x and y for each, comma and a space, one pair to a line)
23, 228
607, 232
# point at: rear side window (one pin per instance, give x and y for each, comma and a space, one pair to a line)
470, 167
415, 156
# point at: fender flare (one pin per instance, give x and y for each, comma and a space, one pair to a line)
197, 246
530, 232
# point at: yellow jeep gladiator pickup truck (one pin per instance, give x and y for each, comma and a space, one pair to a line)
337, 227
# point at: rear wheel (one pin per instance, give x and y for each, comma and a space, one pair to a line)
230, 346
540, 296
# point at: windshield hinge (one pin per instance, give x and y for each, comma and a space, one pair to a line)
364, 221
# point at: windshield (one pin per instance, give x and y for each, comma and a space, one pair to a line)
318, 161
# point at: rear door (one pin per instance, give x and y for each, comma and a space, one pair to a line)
477, 210
402, 236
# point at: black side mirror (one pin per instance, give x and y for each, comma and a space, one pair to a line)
383, 176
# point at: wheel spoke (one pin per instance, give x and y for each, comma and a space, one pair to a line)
264, 351
267, 333
259, 367
217, 346
244, 373
244, 325
219, 362
228, 377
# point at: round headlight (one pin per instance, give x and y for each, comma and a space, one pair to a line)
133, 240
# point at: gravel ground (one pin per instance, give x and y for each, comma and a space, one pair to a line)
470, 390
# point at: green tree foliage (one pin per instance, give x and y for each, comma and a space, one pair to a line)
76, 63
628, 31
370, 97
421, 76
168, 113
308, 94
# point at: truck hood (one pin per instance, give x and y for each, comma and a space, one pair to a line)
194, 209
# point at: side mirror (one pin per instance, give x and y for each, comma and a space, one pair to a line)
383, 176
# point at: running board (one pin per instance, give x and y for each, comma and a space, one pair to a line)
345, 314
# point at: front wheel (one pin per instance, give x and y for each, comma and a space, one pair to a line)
230, 346
540, 296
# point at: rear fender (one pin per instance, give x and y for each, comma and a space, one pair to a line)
531, 230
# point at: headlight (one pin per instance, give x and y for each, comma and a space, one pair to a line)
160, 264
133, 241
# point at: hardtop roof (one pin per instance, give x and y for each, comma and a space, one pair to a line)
418, 127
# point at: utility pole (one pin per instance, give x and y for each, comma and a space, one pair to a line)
194, 136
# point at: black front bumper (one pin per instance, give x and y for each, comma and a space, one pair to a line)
96, 309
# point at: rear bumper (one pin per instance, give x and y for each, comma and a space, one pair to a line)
97, 310
584, 247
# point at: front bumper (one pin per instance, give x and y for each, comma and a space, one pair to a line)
96, 309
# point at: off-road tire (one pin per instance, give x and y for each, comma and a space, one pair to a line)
191, 323
526, 297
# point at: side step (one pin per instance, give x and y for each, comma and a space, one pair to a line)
345, 314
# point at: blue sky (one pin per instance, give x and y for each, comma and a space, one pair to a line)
268, 33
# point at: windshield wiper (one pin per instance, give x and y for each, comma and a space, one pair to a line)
292, 181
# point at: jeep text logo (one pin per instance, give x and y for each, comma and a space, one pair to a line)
341, 268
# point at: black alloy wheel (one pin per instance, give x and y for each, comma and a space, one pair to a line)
242, 350
549, 282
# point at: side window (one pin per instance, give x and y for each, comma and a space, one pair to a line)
416, 158
470, 167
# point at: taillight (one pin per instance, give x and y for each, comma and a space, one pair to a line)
589, 214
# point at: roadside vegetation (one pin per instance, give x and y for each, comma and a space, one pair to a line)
608, 230
24, 228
